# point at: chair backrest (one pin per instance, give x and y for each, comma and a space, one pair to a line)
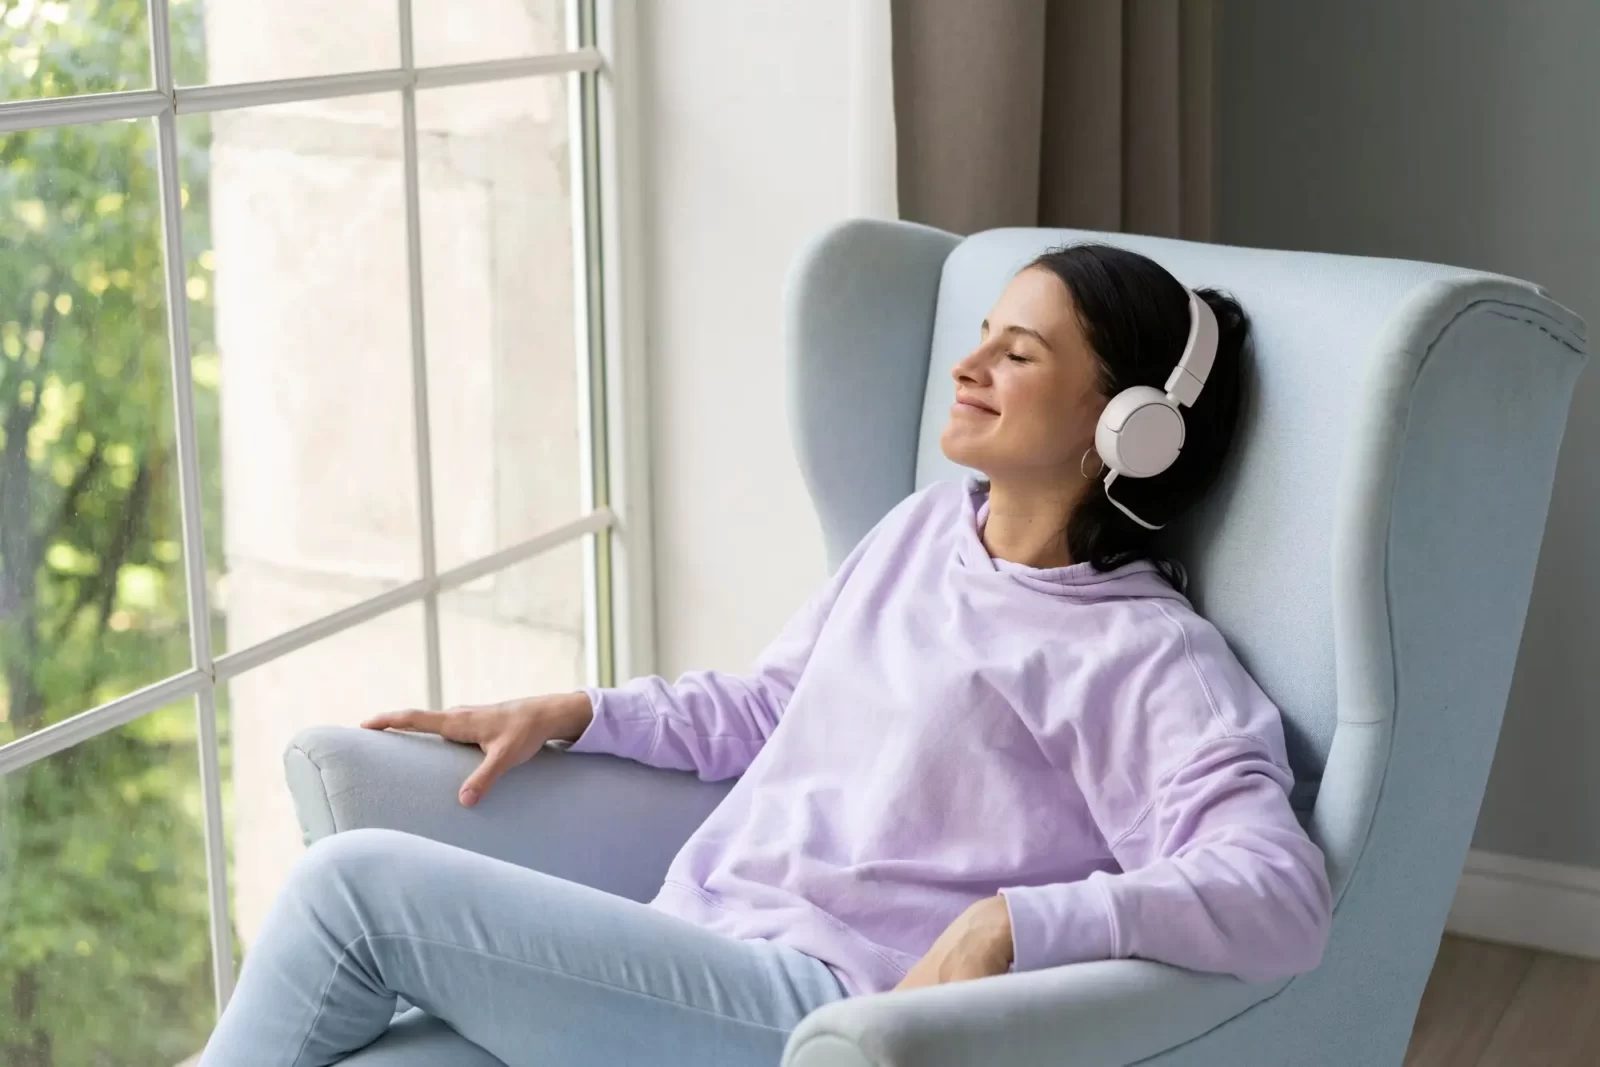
1401, 415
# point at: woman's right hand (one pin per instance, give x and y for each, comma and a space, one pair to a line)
509, 733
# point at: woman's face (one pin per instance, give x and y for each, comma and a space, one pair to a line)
1027, 398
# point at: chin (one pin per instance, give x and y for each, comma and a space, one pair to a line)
962, 451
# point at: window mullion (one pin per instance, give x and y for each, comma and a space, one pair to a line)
591, 425
613, 35
194, 550
419, 360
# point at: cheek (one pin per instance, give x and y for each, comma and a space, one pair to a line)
1050, 420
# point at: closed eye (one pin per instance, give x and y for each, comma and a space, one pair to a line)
1015, 358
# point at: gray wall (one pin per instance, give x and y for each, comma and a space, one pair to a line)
1468, 132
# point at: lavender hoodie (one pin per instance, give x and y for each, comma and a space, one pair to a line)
937, 726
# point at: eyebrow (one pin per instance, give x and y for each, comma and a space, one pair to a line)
1035, 334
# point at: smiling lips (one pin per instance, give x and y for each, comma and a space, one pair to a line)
970, 405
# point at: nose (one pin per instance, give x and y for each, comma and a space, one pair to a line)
970, 368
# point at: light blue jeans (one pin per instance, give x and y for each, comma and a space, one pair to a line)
535, 970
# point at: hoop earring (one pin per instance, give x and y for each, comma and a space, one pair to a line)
1085, 458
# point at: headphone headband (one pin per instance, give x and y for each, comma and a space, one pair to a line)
1199, 353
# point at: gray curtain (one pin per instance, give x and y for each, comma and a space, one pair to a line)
1093, 114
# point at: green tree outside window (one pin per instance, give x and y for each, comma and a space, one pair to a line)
104, 955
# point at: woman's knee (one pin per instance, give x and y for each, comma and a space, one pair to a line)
351, 861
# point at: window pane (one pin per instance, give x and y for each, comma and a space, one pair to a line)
91, 577
259, 40
377, 666
65, 47
104, 942
503, 378
464, 31
302, 359
517, 632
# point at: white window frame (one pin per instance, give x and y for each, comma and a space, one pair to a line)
613, 433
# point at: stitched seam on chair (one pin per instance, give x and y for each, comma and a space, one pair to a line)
1238, 1015
573, 977
1529, 322
327, 799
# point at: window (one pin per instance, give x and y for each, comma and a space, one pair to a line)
312, 383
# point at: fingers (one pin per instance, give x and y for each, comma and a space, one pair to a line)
496, 761
427, 722
459, 724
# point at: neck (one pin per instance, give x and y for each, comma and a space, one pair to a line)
1027, 524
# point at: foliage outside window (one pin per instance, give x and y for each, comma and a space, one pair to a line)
102, 849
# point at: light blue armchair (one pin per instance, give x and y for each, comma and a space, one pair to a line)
1369, 554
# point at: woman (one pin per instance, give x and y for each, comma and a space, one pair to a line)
998, 739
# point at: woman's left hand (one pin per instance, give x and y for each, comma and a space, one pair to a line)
976, 945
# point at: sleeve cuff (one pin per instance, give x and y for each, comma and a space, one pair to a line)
624, 724
1051, 925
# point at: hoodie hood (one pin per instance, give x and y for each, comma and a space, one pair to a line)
1080, 581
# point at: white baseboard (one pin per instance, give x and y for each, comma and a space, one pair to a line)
1548, 906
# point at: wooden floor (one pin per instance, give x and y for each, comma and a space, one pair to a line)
1497, 1006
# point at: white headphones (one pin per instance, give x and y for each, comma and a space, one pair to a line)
1140, 432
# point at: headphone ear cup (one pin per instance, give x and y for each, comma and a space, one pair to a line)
1140, 432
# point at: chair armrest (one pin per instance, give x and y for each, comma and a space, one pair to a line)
598, 820
1104, 1014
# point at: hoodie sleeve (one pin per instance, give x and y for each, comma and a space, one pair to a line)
711, 722
1216, 873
